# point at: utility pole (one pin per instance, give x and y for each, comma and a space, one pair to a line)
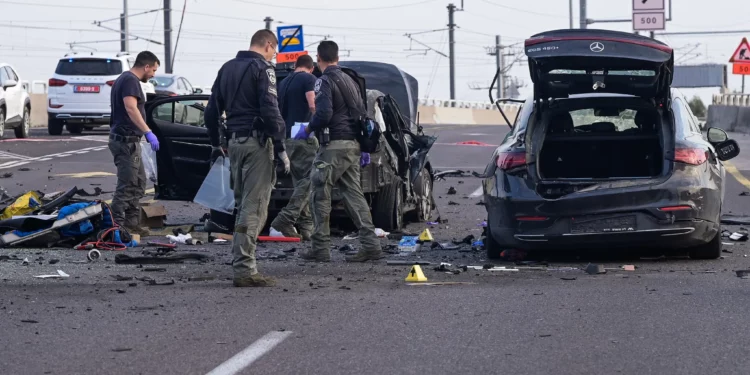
125, 29
452, 49
168, 36
584, 20
123, 37
500, 60
570, 12
268, 22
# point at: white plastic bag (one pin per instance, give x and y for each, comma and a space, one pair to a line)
215, 192
149, 161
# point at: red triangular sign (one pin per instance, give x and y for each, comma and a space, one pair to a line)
742, 54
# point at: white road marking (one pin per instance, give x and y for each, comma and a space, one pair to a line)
245, 358
28, 159
9, 155
95, 138
477, 193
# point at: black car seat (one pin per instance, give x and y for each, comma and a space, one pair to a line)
560, 124
556, 152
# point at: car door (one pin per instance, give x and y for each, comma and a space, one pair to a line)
12, 96
183, 158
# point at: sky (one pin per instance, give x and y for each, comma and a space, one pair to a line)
34, 34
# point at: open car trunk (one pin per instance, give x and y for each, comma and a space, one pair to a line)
601, 138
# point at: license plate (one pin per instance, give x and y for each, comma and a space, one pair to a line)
610, 225
87, 89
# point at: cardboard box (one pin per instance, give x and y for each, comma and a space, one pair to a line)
153, 216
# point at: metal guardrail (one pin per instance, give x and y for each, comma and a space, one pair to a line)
459, 104
739, 100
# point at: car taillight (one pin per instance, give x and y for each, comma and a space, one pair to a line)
693, 156
675, 208
510, 160
54, 82
110, 83
532, 218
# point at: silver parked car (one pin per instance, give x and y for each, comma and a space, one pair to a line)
173, 85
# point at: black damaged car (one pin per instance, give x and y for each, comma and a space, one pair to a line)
605, 154
397, 183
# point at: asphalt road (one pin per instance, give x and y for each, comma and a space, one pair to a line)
671, 315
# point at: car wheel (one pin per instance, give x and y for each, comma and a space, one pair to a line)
493, 248
2, 122
388, 213
74, 128
24, 129
423, 188
54, 126
711, 250
88, 128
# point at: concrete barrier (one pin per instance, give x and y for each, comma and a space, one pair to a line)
729, 117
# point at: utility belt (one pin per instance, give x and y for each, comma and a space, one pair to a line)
325, 137
242, 136
124, 139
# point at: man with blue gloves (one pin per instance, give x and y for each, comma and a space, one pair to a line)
127, 126
339, 159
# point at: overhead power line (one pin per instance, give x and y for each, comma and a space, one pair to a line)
524, 10
336, 9
63, 5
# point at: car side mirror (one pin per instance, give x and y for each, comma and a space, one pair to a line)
10, 83
727, 150
716, 136
197, 91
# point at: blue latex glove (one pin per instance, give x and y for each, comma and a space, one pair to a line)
364, 159
151, 138
301, 134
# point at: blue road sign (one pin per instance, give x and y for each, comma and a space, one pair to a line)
291, 38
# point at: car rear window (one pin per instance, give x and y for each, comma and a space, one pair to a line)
605, 120
162, 81
89, 67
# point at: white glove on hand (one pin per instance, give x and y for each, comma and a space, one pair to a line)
285, 160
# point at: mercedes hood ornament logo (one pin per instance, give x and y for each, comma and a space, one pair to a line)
596, 47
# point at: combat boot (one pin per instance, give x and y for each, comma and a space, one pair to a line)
316, 256
286, 231
306, 235
365, 255
254, 281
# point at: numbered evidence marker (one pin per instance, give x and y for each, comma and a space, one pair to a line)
416, 274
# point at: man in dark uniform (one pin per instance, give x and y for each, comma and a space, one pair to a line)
245, 90
339, 160
128, 125
297, 103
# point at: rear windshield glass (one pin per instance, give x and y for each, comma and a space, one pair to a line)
89, 67
162, 81
604, 120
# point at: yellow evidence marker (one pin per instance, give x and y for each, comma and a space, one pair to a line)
416, 274
426, 236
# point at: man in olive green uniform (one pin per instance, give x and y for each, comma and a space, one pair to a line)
245, 89
339, 160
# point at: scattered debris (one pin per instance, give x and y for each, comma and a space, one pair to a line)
120, 350
185, 239
154, 269
452, 203
445, 246
121, 278
120, 291
727, 251
54, 261
745, 274
595, 269
408, 244
735, 220
568, 278
7, 175
739, 237
93, 255
381, 233
450, 173
468, 240
159, 283
176, 258
745, 194
347, 249
25, 261
441, 283
30, 321
452, 191
628, 267
24, 169
153, 216
60, 275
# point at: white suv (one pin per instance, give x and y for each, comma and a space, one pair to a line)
79, 91
15, 104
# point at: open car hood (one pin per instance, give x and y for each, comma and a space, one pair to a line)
566, 62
